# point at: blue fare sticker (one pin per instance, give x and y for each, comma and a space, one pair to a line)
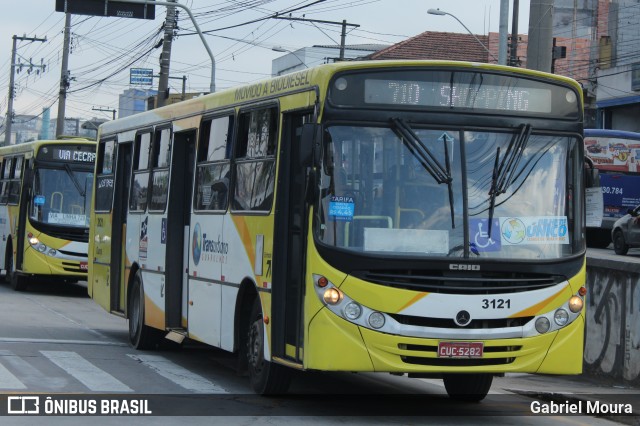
341, 208
39, 200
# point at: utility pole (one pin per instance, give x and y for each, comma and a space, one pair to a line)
111, 110
539, 48
65, 77
343, 35
514, 34
343, 38
165, 56
504, 30
12, 92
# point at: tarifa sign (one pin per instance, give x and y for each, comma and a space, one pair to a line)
281, 84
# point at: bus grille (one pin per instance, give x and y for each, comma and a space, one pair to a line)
70, 233
425, 355
73, 267
450, 323
447, 282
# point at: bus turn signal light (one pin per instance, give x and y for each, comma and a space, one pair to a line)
323, 282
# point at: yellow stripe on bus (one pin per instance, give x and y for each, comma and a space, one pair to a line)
539, 307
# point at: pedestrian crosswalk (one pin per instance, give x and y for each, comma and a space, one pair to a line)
57, 370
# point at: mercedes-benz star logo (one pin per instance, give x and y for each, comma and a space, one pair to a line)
463, 318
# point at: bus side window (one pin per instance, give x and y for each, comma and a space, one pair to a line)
16, 180
5, 173
213, 168
161, 155
255, 160
104, 188
140, 186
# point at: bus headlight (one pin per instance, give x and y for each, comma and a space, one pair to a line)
352, 311
41, 247
348, 309
561, 317
542, 325
376, 320
332, 296
575, 304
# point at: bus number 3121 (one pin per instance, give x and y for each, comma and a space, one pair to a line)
496, 303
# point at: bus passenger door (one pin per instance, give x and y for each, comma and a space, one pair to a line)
290, 239
178, 228
118, 230
25, 191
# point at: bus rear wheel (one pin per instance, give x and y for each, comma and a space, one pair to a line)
141, 335
472, 387
266, 377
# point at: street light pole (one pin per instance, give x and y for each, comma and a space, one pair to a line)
439, 12
212, 84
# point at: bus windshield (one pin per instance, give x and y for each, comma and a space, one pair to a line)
61, 195
403, 191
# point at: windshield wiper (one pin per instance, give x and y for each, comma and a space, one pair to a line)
426, 158
504, 171
75, 181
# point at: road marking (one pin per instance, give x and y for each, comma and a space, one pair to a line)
85, 372
177, 374
8, 380
61, 341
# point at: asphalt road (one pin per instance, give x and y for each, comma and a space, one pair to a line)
55, 341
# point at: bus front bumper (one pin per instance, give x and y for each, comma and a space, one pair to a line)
36, 263
337, 345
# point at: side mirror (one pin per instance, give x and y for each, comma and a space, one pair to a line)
309, 149
591, 175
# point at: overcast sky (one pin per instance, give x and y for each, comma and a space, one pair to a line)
104, 49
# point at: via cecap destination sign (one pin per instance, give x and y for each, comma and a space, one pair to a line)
118, 9
142, 76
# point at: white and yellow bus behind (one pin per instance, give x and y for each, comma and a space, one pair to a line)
44, 210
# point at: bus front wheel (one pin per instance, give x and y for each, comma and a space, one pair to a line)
17, 281
471, 387
141, 335
266, 377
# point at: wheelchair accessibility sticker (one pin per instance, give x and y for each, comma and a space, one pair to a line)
513, 231
479, 234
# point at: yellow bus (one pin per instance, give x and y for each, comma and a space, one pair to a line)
419, 218
45, 198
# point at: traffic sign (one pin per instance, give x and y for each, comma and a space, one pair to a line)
141, 76
119, 9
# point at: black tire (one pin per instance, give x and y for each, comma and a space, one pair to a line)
8, 263
141, 336
17, 281
471, 387
619, 244
266, 377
